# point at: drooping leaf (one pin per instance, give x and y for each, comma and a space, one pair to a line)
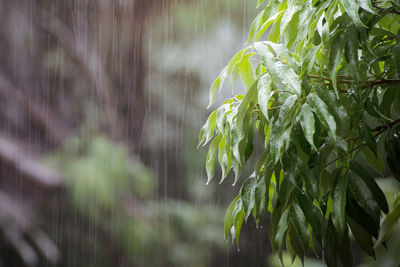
362, 237
211, 157
388, 223
375, 161
321, 110
351, 7
237, 217
264, 94
336, 56
280, 135
308, 123
331, 249
372, 185
313, 216
345, 253
246, 71
247, 195
339, 204
228, 217
308, 61
367, 5
364, 196
351, 51
207, 131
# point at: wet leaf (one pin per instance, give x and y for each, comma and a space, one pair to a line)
308, 124
211, 157
228, 217
372, 185
336, 56
321, 110
339, 204
388, 223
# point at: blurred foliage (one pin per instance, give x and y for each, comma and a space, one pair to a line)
116, 193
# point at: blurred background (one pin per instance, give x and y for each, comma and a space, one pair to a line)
101, 102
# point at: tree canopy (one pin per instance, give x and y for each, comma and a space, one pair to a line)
322, 102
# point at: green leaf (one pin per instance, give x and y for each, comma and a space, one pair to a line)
336, 56
222, 156
267, 59
308, 61
375, 161
308, 124
339, 204
274, 33
372, 185
247, 74
207, 131
211, 157
331, 246
216, 85
299, 222
367, 5
288, 77
281, 228
362, 237
351, 51
290, 248
334, 107
345, 253
360, 216
321, 110
367, 137
364, 196
228, 217
280, 135
387, 225
260, 199
247, 195
296, 244
268, 23
312, 214
264, 94
250, 97
255, 25
311, 182
351, 7
238, 217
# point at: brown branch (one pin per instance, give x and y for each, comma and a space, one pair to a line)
13, 156
386, 126
54, 127
380, 82
88, 59
379, 130
329, 80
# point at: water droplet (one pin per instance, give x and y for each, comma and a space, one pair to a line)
256, 226
207, 183
238, 249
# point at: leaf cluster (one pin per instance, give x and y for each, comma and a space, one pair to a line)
322, 84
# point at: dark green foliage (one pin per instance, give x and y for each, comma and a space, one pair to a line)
324, 86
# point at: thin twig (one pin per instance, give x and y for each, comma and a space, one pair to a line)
379, 129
